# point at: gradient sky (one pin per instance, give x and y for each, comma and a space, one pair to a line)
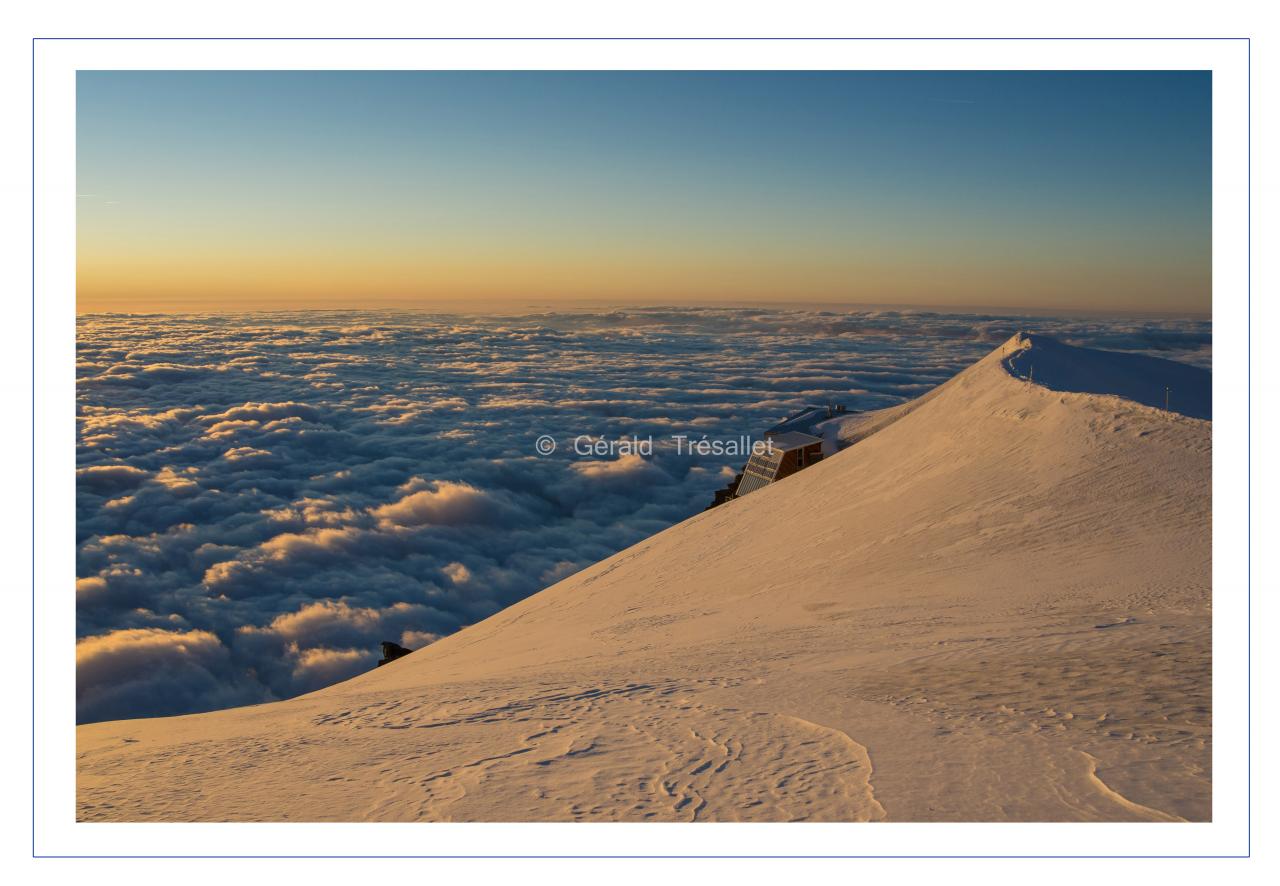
240, 190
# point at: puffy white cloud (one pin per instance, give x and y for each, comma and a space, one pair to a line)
177, 481
317, 667
240, 453
109, 477
315, 512
417, 639
259, 412
560, 571
447, 503
290, 545
628, 465
458, 573
91, 587
319, 622
148, 671
113, 655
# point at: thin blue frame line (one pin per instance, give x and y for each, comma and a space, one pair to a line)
1248, 351
645, 39
33, 448
640, 856
1248, 41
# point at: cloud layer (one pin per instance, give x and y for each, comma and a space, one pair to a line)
261, 499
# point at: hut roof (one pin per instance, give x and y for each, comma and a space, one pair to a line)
793, 440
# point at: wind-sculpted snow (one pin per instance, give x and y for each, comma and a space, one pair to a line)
262, 498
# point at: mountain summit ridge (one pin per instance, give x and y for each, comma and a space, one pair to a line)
993, 605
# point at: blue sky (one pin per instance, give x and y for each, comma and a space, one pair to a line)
319, 189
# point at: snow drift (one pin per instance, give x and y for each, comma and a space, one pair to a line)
994, 605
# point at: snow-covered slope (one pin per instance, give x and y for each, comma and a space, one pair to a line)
995, 605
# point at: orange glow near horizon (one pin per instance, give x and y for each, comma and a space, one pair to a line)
210, 191
280, 286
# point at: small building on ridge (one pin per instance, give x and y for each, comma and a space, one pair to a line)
786, 453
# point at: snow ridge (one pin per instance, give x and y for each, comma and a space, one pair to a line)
932, 597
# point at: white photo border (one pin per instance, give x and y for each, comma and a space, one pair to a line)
55, 62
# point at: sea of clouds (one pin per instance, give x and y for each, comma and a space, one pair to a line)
262, 498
